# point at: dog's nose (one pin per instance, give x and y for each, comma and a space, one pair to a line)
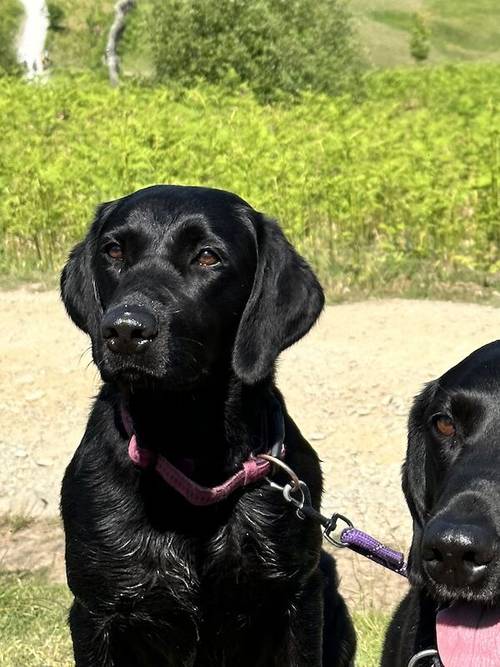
457, 554
129, 330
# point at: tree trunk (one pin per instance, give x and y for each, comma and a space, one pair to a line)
122, 8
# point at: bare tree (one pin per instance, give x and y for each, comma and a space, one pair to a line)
122, 8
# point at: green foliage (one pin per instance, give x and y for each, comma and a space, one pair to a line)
80, 44
57, 16
10, 22
135, 46
273, 46
400, 190
420, 39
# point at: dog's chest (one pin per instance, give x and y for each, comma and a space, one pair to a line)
256, 549
252, 544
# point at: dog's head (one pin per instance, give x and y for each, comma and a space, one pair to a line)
175, 284
451, 480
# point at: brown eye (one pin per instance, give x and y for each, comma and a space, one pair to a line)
114, 250
207, 257
445, 426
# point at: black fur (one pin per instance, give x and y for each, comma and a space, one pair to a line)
157, 581
450, 480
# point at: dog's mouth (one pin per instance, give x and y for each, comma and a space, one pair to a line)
130, 374
468, 635
138, 378
176, 367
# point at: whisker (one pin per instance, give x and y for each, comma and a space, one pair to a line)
85, 351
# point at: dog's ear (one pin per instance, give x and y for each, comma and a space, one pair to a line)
418, 471
78, 289
285, 302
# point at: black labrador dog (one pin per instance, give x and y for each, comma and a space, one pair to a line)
451, 480
188, 296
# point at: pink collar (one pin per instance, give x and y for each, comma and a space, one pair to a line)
252, 470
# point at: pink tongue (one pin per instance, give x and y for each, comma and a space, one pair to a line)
468, 635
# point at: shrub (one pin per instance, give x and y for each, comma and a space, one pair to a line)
272, 45
420, 39
57, 16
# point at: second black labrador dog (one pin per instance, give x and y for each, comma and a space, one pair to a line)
188, 296
451, 480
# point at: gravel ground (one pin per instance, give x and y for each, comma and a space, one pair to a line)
348, 385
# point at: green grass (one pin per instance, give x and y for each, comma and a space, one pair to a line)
461, 30
370, 629
33, 630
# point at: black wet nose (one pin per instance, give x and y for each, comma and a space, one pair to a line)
457, 554
127, 330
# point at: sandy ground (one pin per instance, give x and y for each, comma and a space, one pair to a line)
348, 385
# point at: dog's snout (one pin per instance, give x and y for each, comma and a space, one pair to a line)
458, 554
127, 330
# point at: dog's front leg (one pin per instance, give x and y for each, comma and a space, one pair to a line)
304, 645
115, 641
91, 640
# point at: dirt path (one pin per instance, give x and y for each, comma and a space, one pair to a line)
348, 385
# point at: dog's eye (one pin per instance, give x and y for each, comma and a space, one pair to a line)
207, 257
114, 250
445, 426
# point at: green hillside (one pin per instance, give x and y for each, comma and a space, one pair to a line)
461, 30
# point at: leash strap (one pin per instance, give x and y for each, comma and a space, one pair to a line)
350, 537
368, 546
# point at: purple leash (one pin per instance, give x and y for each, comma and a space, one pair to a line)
369, 547
297, 493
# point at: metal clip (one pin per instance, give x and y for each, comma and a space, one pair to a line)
296, 487
332, 525
304, 499
428, 653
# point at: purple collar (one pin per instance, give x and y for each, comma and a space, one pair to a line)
253, 469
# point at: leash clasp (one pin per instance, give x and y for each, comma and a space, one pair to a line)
296, 493
332, 526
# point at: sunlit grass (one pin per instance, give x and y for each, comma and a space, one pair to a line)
370, 628
33, 631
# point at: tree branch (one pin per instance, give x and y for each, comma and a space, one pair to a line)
122, 8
